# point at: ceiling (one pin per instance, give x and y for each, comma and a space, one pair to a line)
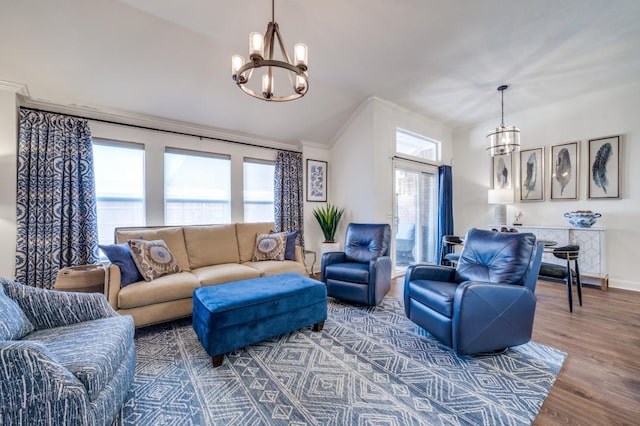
441, 58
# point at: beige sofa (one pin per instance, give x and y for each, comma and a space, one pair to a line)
207, 255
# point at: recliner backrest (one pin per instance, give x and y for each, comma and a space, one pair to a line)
496, 257
366, 241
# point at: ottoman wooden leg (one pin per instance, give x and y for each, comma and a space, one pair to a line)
217, 360
318, 326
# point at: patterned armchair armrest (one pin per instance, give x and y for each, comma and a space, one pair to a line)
37, 389
50, 309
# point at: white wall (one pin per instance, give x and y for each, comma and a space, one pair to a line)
361, 158
590, 116
8, 163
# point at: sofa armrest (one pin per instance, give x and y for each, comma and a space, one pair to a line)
50, 309
112, 278
38, 389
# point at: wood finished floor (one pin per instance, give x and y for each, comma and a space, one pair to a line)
599, 383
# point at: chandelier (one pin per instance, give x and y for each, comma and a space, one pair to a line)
261, 52
504, 140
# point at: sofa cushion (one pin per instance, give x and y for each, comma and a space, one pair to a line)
437, 295
14, 324
153, 259
246, 234
211, 245
290, 248
351, 272
218, 274
87, 351
163, 289
120, 255
172, 236
274, 267
270, 246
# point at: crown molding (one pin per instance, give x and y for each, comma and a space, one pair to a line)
152, 122
18, 88
316, 145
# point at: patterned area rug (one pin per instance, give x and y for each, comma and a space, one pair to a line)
369, 366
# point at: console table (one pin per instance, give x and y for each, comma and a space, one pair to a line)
592, 248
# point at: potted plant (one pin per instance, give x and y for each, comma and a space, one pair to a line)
328, 218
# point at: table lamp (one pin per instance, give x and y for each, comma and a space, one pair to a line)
500, 197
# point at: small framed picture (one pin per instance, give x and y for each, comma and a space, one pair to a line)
604, 167
532, 174
316, 180
564, 171
501, 171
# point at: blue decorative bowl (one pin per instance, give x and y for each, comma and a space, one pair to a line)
582, 219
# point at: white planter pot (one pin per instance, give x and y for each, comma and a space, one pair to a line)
325, 247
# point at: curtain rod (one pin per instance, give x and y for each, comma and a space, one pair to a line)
175, 132
396, 157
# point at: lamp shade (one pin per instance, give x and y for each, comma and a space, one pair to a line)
500, 196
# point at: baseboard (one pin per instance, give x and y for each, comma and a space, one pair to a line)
624, 284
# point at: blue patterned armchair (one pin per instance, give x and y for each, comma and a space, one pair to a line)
487, 302
65, 358
362, 273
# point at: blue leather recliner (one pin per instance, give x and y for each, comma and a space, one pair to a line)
362, 273
487, 302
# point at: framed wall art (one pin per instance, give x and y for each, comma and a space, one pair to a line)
501, 169
316, 180
604, 167
564, 171
532, 174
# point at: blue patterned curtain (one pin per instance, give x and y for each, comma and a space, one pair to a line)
445, 205
288, 193
56, 214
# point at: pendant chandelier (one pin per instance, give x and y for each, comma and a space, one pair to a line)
261, 52
504, 140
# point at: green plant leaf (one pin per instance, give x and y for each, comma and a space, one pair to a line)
328, 218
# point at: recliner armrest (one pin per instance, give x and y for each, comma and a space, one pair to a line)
329, 258
480, 306
430, 272
50, 309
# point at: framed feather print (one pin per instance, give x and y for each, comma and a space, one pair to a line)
501, 172
564, 171
604, 167
532, 174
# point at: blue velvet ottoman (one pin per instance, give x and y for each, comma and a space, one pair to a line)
231, 316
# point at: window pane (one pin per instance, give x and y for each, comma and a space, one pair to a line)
417, 146
119, 174
258, 192
197, 188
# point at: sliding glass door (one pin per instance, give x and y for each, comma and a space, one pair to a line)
415, 214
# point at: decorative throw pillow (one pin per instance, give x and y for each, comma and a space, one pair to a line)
270, 246
153, 258
14, 324
120, 255
290, 248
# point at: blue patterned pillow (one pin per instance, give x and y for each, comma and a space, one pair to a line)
120, 255
270, 246
14, 325
153, 258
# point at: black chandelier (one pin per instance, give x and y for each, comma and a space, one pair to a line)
505, 139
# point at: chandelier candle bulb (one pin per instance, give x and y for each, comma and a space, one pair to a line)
237, 61
300, 55
301, 84
267, 86
256, 46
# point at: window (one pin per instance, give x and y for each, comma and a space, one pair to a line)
197, 187
258, 191
119, 176
417, 146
